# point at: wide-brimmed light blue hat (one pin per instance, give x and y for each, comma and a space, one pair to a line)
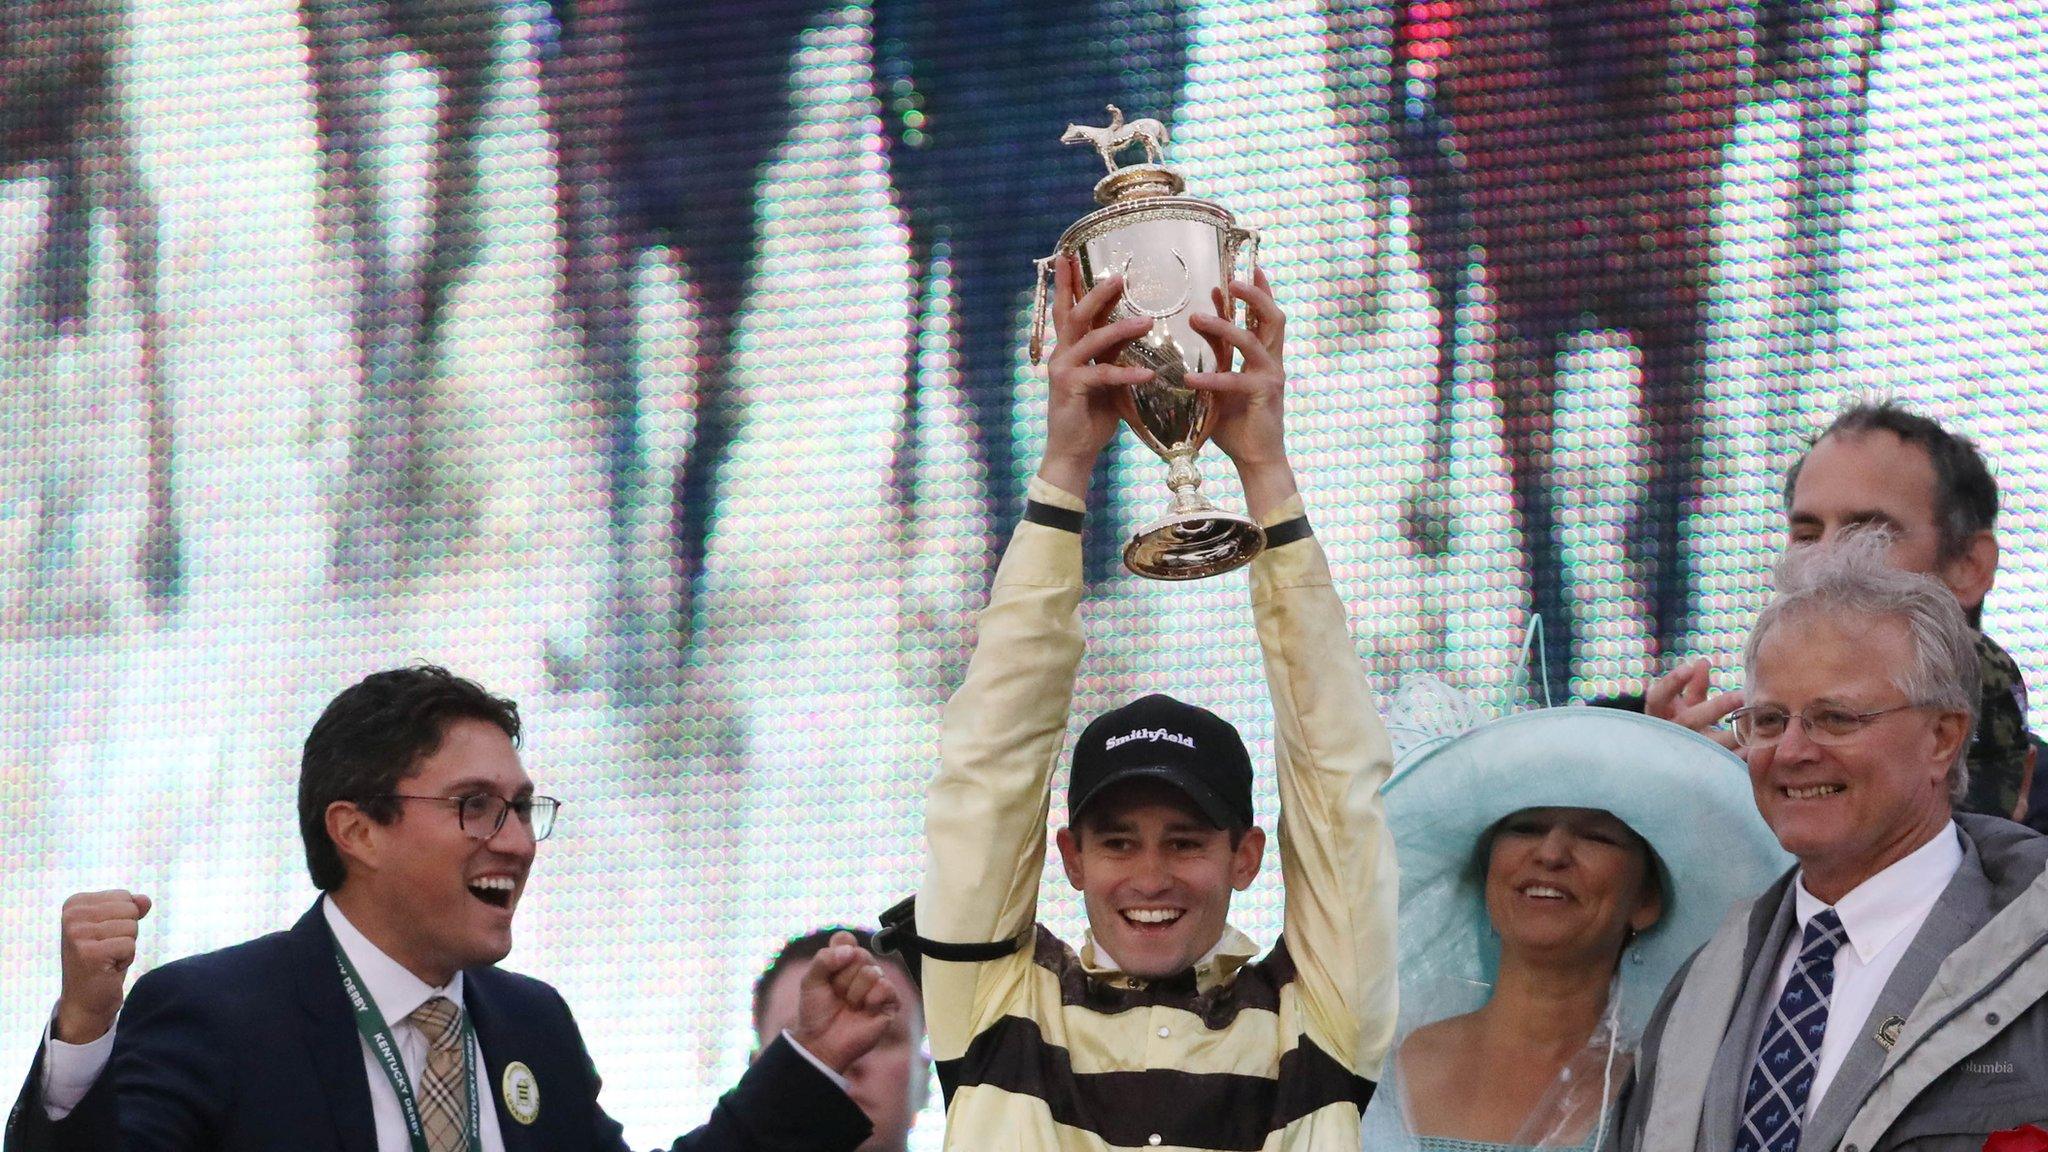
1685, 795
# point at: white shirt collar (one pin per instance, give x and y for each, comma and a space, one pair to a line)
394, 990
1877, 910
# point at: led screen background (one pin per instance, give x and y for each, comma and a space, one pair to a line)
661, 365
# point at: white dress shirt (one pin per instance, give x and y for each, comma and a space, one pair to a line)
1882, 915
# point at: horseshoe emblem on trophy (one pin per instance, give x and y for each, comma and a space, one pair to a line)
1133, 286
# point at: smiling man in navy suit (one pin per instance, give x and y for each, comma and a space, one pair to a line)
379, 1023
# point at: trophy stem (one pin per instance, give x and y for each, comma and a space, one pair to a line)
1186, 484
1194, 538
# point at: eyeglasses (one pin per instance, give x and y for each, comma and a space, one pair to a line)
482, 814
1825, 724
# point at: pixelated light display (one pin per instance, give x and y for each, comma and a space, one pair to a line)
660, 364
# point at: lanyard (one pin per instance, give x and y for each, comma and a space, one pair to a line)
370, 1023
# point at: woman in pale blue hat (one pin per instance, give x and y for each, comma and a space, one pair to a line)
1557, 867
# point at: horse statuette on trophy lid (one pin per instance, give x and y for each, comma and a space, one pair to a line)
1177, 254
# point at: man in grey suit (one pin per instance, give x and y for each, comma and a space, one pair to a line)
1888, 993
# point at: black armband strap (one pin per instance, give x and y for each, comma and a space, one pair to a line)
1288, 531
1053, 516
898, 934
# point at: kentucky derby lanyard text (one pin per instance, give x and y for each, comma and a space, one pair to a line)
370, 1023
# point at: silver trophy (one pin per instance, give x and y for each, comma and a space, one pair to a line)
1177, 255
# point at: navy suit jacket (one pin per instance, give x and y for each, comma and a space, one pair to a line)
254, 1048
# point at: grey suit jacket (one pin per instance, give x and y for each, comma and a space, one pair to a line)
1981, 942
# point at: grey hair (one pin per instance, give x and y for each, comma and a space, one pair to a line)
1854, 575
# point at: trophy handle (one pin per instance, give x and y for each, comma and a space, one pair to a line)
1038, 304
1243, 247
1244, 243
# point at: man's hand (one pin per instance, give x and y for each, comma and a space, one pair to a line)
99, 944
844, 1005
1680, 696
1249, 402
1082, 415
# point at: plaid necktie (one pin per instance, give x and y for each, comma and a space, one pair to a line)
443, 1093
1774, 1106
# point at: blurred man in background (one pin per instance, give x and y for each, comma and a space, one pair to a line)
1880, 467
891, 1082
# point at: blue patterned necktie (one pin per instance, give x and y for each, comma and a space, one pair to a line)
1774, 1105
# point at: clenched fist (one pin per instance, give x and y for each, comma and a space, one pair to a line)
99, 945
844, 1005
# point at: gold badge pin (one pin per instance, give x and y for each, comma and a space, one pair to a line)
522, 1092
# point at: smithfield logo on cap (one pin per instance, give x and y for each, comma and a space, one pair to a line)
1148, 734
